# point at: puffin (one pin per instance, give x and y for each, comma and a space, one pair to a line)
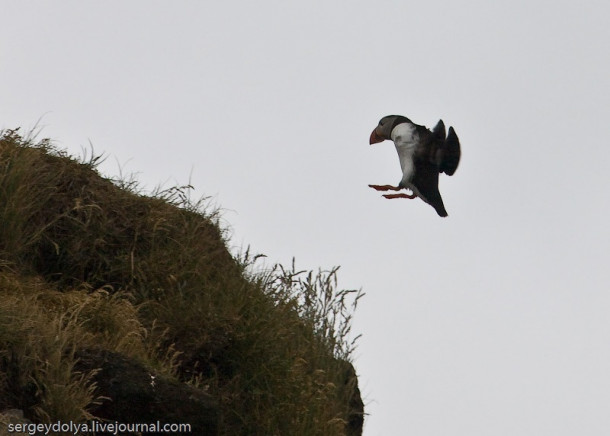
423, 153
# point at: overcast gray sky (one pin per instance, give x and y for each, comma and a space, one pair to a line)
493, 321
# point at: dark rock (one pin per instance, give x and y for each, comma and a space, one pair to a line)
20, 425
19, 385
355, 416
137, 395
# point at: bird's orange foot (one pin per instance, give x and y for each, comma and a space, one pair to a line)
385, 187
391, 196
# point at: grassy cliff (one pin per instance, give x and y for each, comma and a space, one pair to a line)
97, 279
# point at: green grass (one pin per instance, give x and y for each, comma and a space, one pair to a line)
90, 262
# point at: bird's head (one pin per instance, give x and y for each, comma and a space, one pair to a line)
385, 127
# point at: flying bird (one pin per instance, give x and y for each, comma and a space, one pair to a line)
423, 155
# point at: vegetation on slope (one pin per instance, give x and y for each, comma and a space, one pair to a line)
87, 263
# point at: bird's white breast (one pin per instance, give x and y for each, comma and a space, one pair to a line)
405, 139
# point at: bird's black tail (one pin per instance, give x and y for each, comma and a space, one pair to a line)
436, 201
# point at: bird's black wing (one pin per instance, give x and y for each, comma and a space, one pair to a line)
434, 143
449, 157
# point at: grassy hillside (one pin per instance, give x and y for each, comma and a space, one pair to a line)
92, 272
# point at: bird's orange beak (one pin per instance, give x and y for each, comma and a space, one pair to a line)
375, 138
